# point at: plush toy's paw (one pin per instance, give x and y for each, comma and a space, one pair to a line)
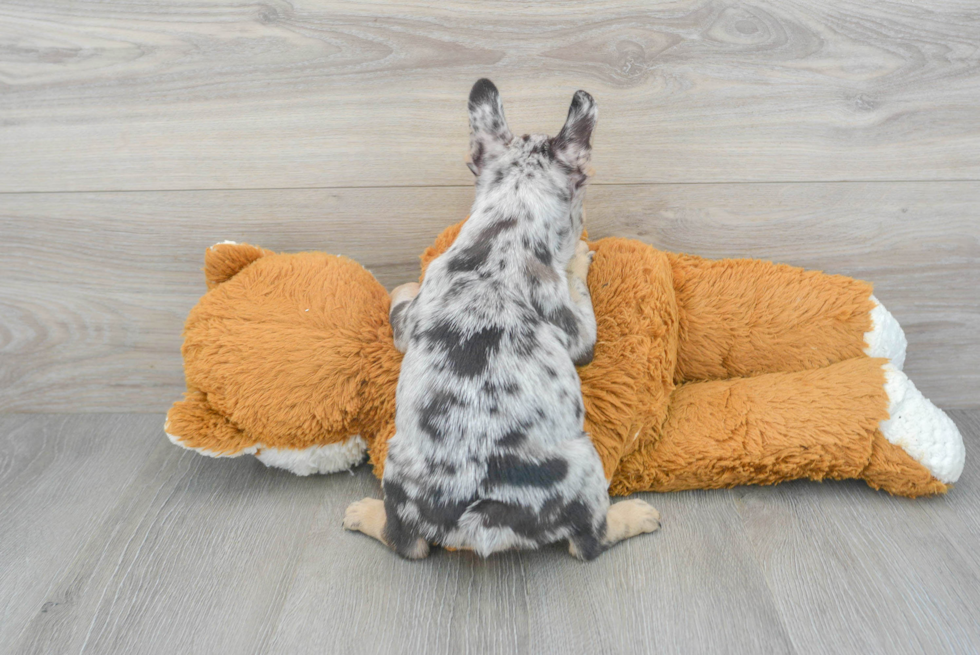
193, 424
629, 518
328, 458
921, 429
886, 337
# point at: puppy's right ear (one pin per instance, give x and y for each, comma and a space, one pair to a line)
489, 134
574, 143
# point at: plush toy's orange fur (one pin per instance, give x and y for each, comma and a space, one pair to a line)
706, 373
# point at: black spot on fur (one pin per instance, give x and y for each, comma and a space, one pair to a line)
395, 492
397, 533
474, 256
467, 355
471, 257
575, 517
477, 154
543, 254
542, 148
433, 411
448, 469
585, 357
483, 92
493, 230
579, 125
493, 390
564, 318
512, 470
395, 317
442, 512
587, 538
524, 338
458, 286
513, 438
522, 520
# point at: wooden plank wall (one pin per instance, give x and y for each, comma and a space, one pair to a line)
134, 134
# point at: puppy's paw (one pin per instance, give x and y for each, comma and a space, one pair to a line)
404, 292
580, 263
644, 517
629, 518
365, 516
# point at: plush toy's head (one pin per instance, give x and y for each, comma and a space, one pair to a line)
286, 357
291, 357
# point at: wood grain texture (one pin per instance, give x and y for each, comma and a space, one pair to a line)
59, 480
313, 93
94, 287
195, 555
115, 541
648, 594
859, 572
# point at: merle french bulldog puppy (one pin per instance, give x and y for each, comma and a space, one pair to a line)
489, 451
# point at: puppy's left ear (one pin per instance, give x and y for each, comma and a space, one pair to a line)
489, 134
574, 143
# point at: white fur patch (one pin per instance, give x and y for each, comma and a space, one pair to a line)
316, 459
886, 338
922, 429
329, 458
224, 243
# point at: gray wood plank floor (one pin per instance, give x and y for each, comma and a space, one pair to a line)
114, 541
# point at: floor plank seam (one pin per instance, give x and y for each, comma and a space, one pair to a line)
468, 186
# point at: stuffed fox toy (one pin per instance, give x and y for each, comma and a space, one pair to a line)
705, 374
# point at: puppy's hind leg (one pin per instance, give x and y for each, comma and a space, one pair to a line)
625, 519
368, 516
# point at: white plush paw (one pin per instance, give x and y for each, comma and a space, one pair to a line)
328, 458
922, 429
886, 338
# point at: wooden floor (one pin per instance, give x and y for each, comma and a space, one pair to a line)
114, 541
842, 136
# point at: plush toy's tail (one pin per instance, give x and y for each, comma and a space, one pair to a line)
223, 261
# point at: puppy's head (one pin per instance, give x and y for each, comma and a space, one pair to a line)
547, 171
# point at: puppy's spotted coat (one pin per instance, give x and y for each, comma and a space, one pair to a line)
489, 451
